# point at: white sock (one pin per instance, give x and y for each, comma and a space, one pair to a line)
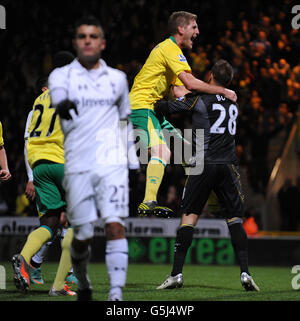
80, 267
115, 294
40, 255
63, 232
117, 262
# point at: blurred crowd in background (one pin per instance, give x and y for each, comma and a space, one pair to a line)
255, 37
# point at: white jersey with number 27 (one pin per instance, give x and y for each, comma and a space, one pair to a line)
92, 138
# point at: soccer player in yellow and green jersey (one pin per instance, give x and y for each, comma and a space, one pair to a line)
165, 67
4, 171
165, 62
45, 139
45, 155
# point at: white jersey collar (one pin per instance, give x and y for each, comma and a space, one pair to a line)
102, 69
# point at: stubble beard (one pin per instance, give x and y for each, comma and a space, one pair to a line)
88, 61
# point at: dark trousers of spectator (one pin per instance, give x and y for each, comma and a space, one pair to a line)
289, 220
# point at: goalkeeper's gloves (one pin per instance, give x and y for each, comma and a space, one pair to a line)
64, 107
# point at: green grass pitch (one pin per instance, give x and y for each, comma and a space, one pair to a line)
201, 283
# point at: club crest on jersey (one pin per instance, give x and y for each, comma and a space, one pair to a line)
180, 98
182, 58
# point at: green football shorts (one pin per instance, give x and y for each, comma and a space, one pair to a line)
47, 180
150, 129
147, 127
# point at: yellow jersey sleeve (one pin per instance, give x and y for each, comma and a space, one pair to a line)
178, 82
1, 135
45, 137
165, 62
175, 59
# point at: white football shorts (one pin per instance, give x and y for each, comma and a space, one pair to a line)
104, 192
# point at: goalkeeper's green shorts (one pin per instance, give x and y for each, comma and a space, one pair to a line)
47, 180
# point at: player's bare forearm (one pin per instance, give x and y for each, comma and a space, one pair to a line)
4, 171
30, 190
3, 159
178, 91
192, 83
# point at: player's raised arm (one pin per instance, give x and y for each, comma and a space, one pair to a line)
192, 83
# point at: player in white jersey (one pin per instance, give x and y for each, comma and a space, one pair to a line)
91, 99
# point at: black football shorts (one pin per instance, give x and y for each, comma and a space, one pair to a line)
224, 181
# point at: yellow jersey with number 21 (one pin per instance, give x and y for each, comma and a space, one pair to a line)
45, 137
165, 62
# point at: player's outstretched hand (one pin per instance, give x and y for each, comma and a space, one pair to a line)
230, 94
64, 107
30, 190
4, 175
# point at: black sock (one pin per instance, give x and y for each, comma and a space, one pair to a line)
239, 242
183, 241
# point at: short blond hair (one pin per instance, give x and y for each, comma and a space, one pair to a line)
179, 18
